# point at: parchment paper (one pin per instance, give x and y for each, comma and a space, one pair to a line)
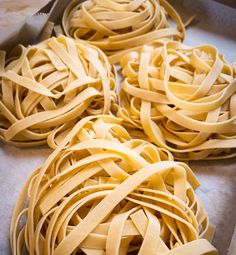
216, 25
21, 22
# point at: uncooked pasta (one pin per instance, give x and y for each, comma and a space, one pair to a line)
118, 26
49, 86
183, 98
101, 192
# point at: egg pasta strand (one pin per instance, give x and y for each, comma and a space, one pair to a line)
102, 192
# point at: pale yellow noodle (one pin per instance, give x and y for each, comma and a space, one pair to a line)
101, 192
183, 98
119, 26
49, 86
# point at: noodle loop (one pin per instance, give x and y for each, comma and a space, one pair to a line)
101, 192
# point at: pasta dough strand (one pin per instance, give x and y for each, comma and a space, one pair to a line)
183, 98
78, 205
117, 27
50, 86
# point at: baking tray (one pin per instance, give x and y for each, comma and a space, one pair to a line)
214, 24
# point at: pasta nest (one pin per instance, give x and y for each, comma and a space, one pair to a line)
101, 192
49, 86
118, 26
183, 98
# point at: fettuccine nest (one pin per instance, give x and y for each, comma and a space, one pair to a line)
184, 98
118, 26
101, 192
49, 86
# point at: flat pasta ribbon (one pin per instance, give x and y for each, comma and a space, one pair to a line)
119, 26
101, 192
183, 98
49, 86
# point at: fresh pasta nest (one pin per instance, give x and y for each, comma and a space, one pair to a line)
118, 26
47, 87
183, 98
101, 192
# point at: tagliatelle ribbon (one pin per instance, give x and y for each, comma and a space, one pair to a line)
49, 86
120, 26
183, 98
101, 192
